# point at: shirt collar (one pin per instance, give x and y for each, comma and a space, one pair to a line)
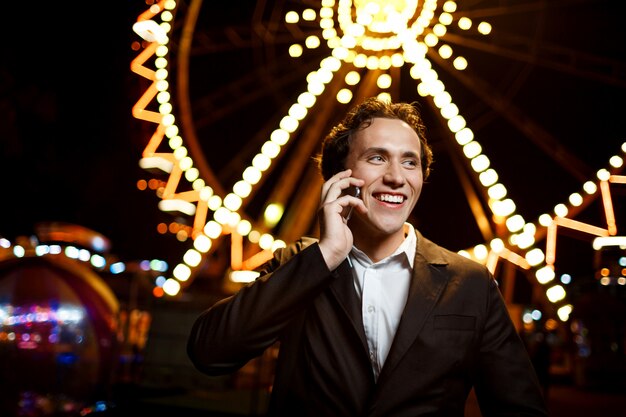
407, 247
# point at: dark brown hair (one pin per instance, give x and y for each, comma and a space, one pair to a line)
336, 145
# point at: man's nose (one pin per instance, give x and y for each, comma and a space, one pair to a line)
394, 174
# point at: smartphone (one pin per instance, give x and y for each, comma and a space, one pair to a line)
355, 192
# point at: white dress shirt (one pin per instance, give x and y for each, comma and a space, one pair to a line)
383, 288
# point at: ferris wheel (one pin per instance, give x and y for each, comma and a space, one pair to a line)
240, 96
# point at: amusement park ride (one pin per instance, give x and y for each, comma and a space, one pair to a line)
238, 113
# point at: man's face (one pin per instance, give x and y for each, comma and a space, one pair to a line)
386, 155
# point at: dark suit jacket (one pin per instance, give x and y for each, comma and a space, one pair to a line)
455, 334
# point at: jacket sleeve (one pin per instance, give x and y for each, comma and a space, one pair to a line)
506, 383
240, 327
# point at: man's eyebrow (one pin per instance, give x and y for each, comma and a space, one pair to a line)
377, 149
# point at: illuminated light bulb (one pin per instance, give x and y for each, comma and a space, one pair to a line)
261, 162
353, 78
530, 228
472, 149
214, 202
271, 149
445, 51
603, 174
556, 293
266, 240
456, 123
386, 97
439, 30
561, 210
575, 199
442, 99
312, 42
460, 63
384, 81
175, 142
213, 229
616, 161
192, 174
252, 175
181, 272
273, 213
535, 256
497, 191
171, 287
488, 177
449, 6
198, 184
449, 111
564, 312
422, 89
180, 153
242, 189
222, 215
480, 252
484, 28
525, 240
545, 220
292, 17
464, 136
316, 88
309, 14
496, 245
503, 208
431, 39
165, 108
192, 257
244, 227
232, 201
445, 18
295, 50
544, 275
289, 124
590, 187
280, 137
515, 223
202, 243
254, 236
344, 95
480, 163
464, 254
465, 23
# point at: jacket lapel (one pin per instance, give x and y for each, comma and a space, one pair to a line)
344, 291
427, 285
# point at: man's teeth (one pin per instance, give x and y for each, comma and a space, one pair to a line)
390, 198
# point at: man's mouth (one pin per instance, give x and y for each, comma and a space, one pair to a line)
390, 198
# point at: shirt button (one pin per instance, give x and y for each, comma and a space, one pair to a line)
370, 309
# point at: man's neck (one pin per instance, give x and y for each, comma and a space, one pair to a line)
379, 247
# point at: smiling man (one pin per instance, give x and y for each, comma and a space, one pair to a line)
373, 319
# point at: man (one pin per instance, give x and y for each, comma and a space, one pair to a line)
373, 319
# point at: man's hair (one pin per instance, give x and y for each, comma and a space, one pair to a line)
336, 145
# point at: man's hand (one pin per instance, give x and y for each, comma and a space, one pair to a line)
335, 236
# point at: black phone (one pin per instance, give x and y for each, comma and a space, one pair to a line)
355, 192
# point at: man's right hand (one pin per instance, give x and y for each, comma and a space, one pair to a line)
335, 236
